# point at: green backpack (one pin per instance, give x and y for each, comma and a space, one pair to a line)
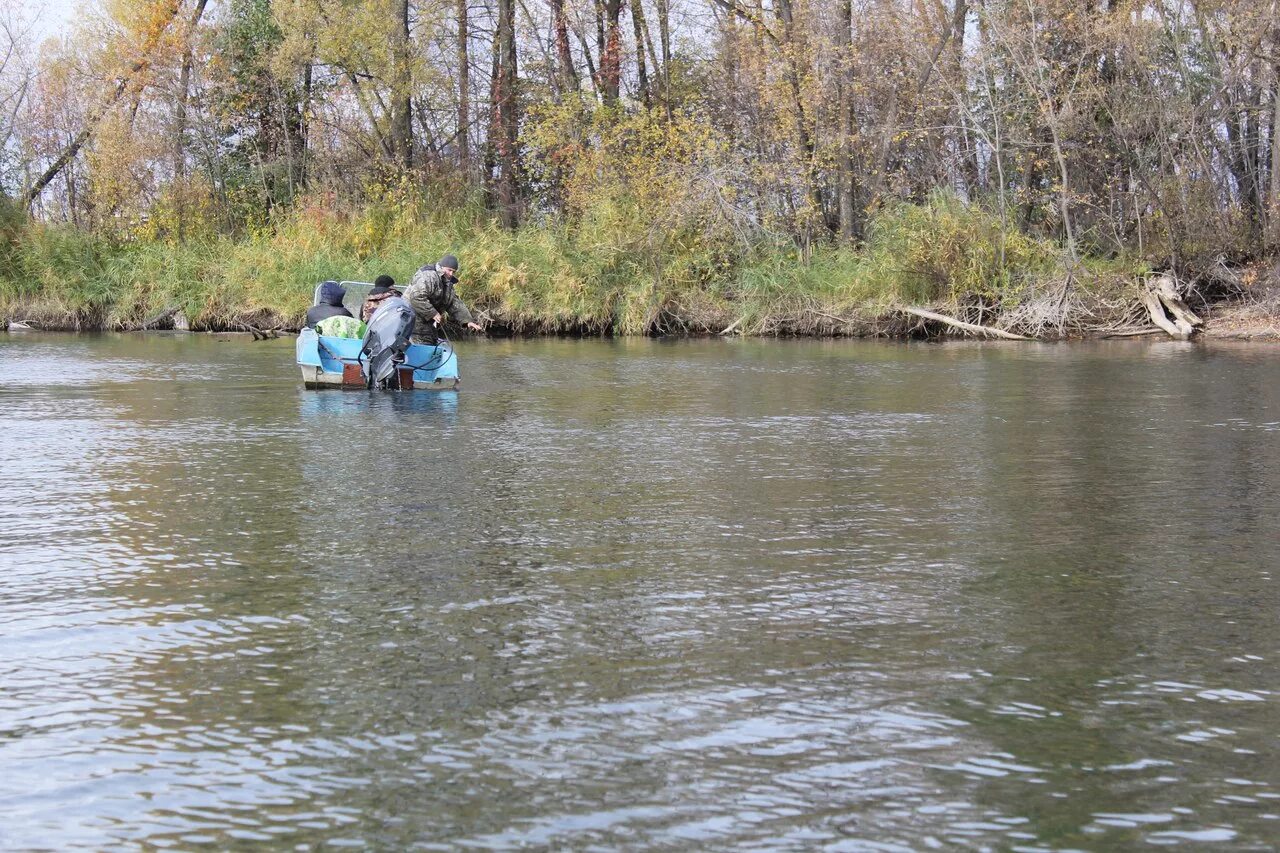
340, 327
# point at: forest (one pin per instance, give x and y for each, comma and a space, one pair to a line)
644, 166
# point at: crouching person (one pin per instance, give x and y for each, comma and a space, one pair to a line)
432, 295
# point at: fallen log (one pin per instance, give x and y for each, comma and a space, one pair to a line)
1131, 333
1168, 293
736, 324
153, 322
973, 328
1167, 310
1155, 309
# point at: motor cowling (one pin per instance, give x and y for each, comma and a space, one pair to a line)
386, 340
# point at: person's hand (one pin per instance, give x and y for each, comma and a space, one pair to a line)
435, 321
475, 327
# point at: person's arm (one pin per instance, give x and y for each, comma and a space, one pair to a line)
456, 309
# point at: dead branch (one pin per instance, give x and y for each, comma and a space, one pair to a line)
960, 324
735, 325
155, 321
1131, 333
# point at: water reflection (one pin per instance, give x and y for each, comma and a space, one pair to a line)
703, 594
391, 407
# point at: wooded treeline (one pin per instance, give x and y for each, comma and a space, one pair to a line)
1138, 128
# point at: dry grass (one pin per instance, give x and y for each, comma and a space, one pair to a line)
605, 275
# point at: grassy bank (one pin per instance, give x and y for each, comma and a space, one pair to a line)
614, 272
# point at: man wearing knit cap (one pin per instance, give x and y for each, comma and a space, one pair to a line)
432, 295
384, 287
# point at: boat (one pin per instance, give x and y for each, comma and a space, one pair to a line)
329, 362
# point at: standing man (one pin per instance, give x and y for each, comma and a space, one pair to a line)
432, 295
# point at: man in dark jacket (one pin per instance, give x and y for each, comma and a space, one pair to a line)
432, 295
330, 305
384, 287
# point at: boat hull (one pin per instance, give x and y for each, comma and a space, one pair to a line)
336, 363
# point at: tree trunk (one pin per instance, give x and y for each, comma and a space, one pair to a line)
295, 133
795, 52
1240, 161
95, 118
600, 46
180, 118
1274, 205
464, 91
968, 167
652, 52
844, 44
304, 127
402, 89
593, 73
504, 118
664, 39
611, 55
637, 22
566, 74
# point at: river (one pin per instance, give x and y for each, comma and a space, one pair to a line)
693, 594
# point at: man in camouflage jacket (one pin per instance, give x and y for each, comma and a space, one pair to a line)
432, 295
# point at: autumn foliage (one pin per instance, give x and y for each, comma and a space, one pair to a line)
647, 165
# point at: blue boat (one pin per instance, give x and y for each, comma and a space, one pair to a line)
329, 362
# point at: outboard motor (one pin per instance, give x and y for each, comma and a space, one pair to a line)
386, 340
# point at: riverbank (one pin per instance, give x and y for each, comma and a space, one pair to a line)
1253, 314
613, 275
1226, 320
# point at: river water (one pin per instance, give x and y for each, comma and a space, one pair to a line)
693, 595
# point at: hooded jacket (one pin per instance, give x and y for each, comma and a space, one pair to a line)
331, 296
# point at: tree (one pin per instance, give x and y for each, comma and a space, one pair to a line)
157, 15
504, 119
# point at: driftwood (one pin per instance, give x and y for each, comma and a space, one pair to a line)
968, 327
154, 322
1131, 333
1156, 311
172, 317
1172, 300
736, 324
1167, 310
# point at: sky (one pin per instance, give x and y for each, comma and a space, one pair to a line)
50, 16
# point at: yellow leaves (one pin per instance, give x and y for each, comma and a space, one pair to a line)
143, 31
621, 167
946, 249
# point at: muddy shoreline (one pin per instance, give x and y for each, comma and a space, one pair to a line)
1248, 320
